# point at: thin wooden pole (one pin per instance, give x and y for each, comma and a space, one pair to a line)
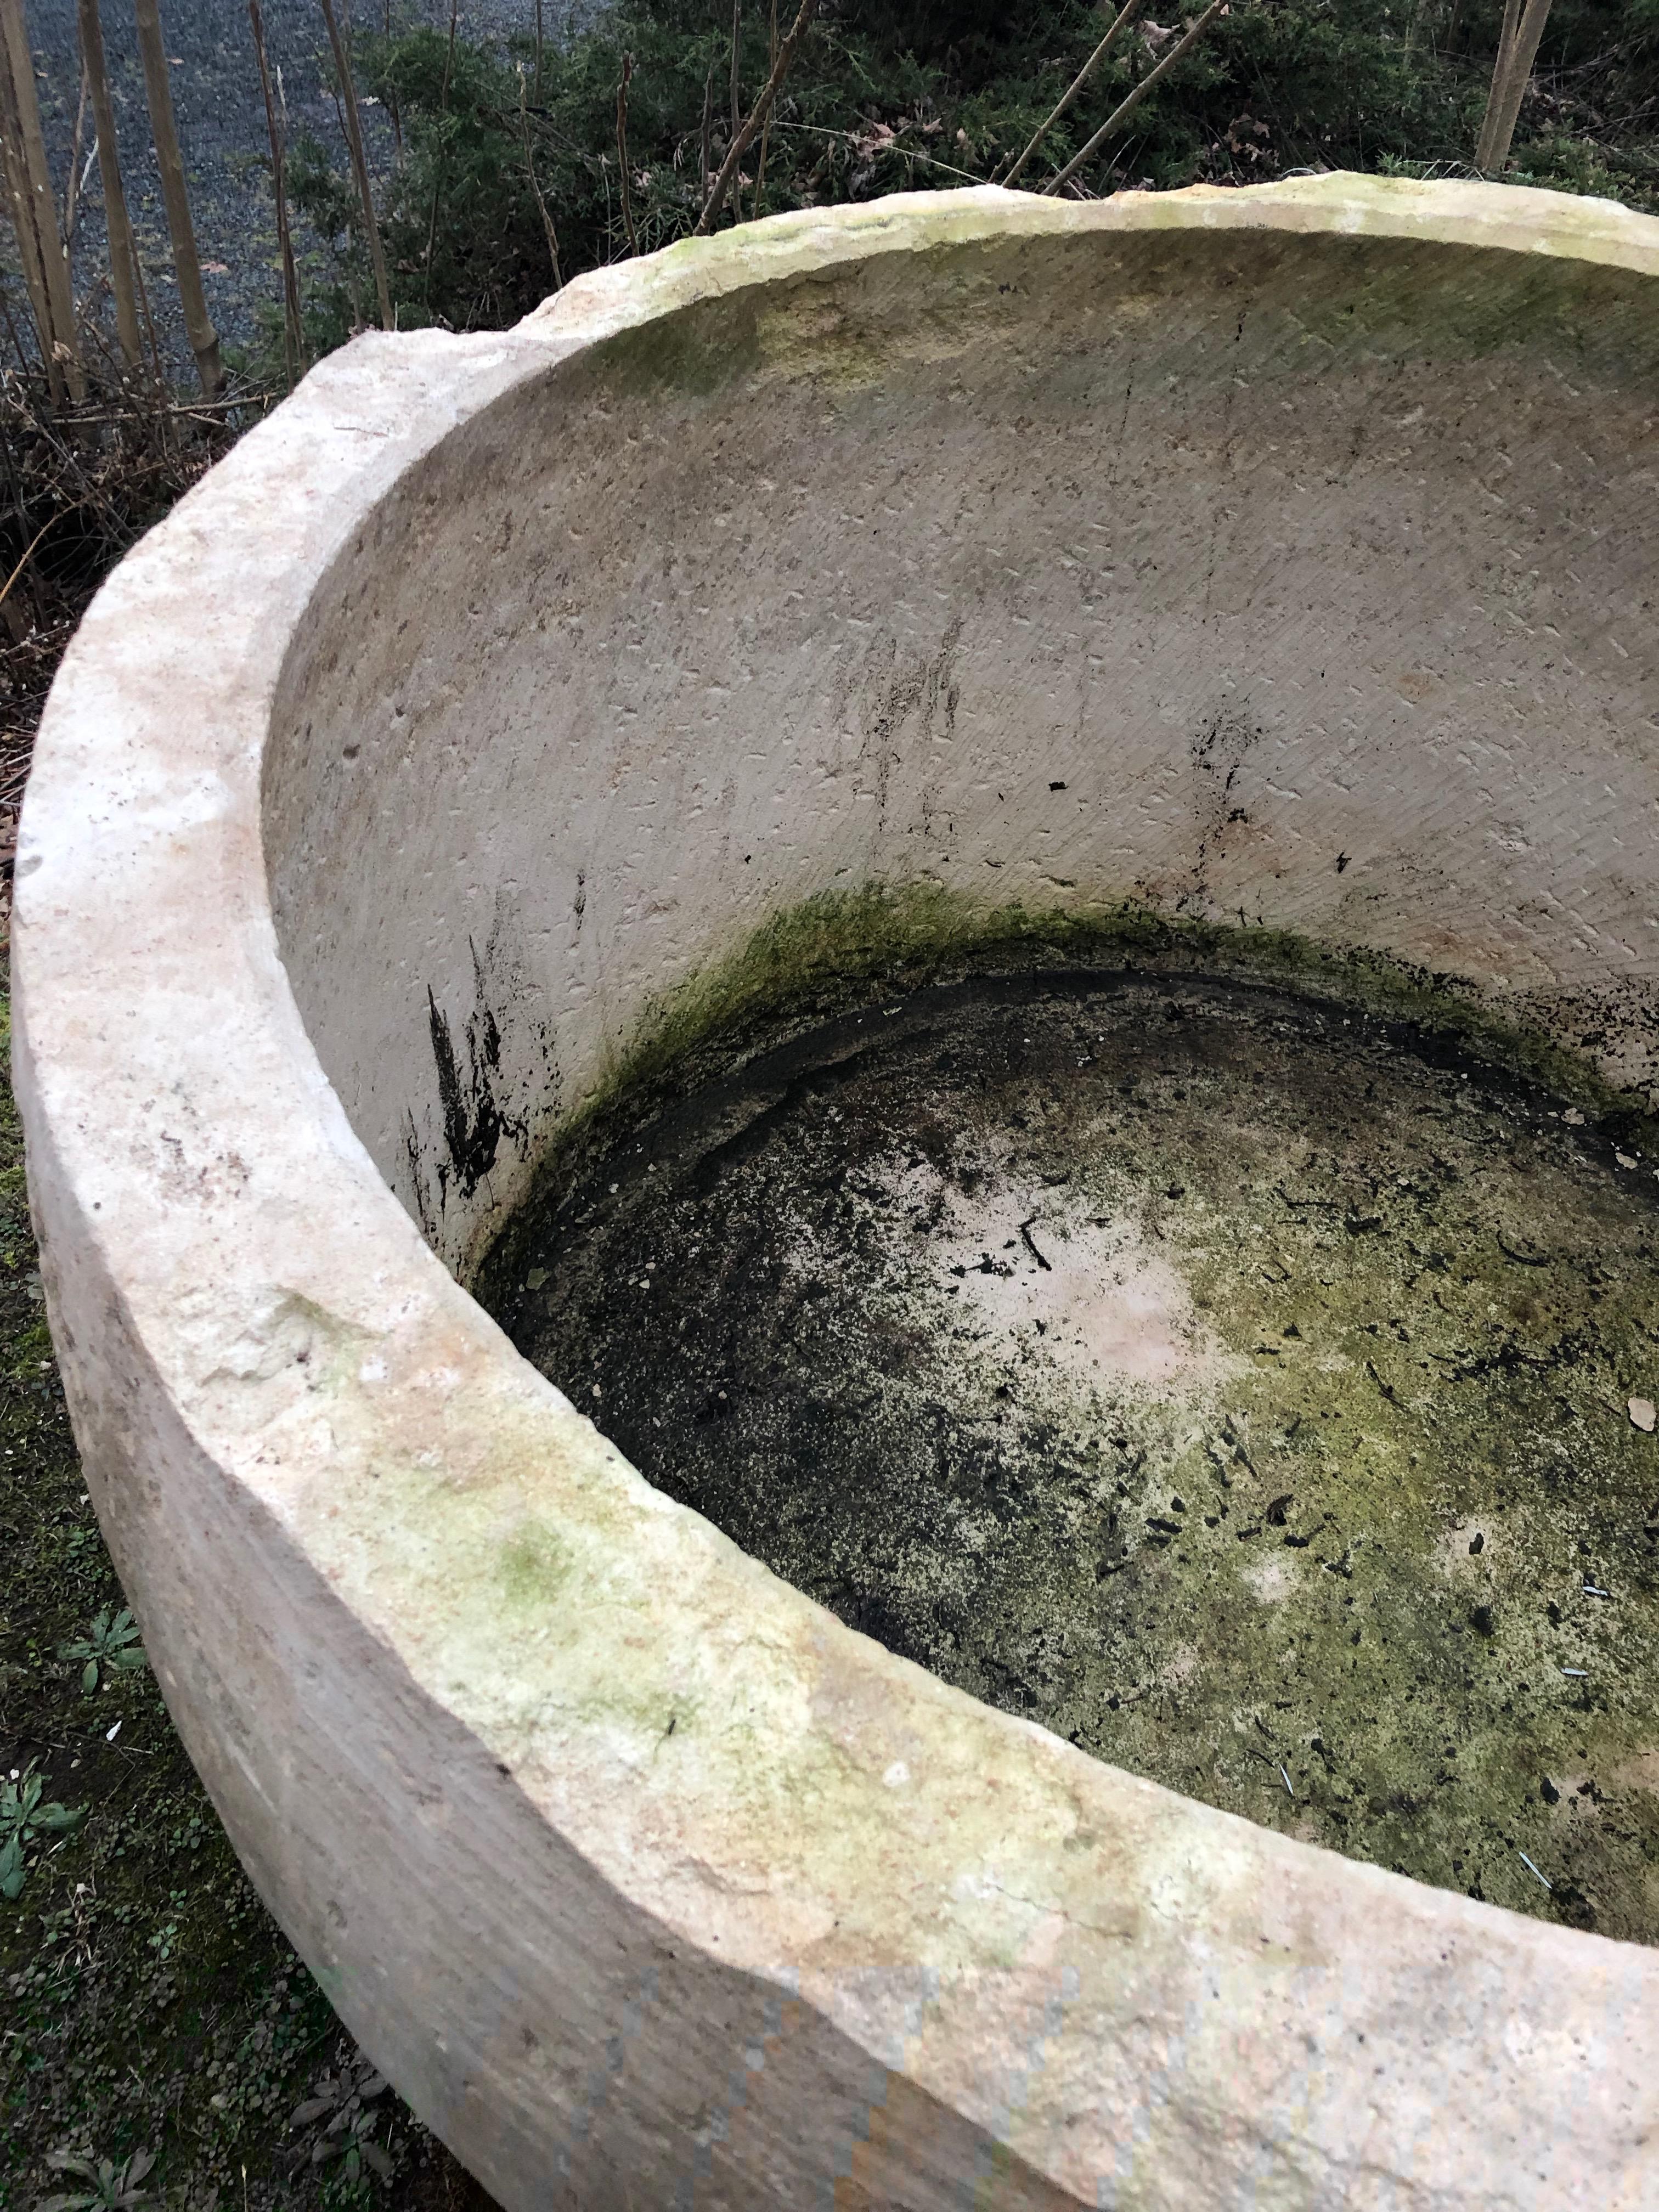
737, 32
19, 207
1127, 107
72, 182
293, 320
118, 226
1507, 29
757, 115
42, 205
1512, 74
354, 131
1120, 22
187, 267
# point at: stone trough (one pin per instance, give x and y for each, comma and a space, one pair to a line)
510, 712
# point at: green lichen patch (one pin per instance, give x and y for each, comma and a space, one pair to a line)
1237, 1382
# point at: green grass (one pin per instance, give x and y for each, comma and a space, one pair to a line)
148, 2003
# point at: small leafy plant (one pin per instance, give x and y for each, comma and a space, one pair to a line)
22, 1817
113, 2189
110, 1646
338, 2121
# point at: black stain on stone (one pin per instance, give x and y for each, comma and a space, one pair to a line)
1217, 754
423, 1212
474, 1124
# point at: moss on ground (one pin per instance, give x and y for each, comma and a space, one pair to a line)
148, 2000
1237, 1382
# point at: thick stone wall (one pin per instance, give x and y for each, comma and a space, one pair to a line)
1284, 556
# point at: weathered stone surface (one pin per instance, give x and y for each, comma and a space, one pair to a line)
1284, 557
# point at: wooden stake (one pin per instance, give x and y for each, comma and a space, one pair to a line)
1127, 107
354, 132
1507, 29
118, 226
1120, 22
1518, 49
44, 240
198, 324
293, 329
19, 207
757, 115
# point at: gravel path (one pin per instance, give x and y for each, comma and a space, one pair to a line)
222, 126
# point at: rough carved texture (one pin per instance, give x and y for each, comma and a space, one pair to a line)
541, 670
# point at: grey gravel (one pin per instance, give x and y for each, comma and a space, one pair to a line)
222, 127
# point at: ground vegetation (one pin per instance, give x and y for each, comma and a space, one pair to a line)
509, 163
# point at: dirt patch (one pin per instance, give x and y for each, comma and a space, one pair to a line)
1235, 1383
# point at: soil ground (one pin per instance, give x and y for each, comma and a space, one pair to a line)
1238, 1385
148, 2000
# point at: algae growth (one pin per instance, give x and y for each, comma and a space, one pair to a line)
1237, 1382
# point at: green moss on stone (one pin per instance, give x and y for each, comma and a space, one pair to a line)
1329, 1567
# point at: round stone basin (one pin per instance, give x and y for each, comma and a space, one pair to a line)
1198, 643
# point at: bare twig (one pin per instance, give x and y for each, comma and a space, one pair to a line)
118, 226
757, 115
1133, 100
1518, 49
535, 184
737, 32
71, 185
354, 132
538, 53
293, 329
51, 523
198, 324
1121, 22
622, 151
198, 410
707, 123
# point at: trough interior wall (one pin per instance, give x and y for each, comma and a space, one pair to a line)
1288, 581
